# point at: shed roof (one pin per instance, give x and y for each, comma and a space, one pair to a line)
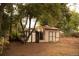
46, 27
50, 28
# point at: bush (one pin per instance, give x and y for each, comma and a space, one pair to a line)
3, 44
75, 34
14, 36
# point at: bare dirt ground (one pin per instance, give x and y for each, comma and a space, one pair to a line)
65, 47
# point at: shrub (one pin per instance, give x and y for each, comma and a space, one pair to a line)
3, 44
14, 36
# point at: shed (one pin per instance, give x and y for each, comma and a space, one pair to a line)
45, 34
51, 34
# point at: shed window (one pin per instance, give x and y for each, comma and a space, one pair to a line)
52, 36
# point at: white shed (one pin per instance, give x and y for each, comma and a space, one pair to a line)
45, 34
51, 34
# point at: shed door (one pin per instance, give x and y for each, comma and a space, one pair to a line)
39, 36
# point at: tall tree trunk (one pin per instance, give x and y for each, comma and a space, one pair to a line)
29, 25
1, 14
10, 28
26, 22
16, 25
22, 27
25, 26
31, 32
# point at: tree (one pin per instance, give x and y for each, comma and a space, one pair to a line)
30, 11
64, 17
55, 14
2, 17
74, 23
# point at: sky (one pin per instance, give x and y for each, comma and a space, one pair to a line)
74, 6
32, 22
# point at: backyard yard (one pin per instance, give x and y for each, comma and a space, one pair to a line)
39, 29
67, 46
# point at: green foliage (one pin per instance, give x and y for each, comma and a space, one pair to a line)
56, 14
70, 25
53, 14
3, 44
46, 19
15, 35
5, 24
74, 23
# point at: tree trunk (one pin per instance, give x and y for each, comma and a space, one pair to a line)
22, 28
29, 25
26, 22
1, 15
10, 28
31, 32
